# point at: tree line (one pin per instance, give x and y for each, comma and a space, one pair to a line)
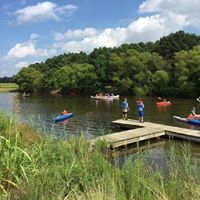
168, 67
6, 79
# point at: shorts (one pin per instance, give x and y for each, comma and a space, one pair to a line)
125, 111
141, 113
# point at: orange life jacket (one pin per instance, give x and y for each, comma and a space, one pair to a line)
64, 112
190, 116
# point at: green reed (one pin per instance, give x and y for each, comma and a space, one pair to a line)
34, 167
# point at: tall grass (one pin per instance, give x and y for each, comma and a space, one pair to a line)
35, 167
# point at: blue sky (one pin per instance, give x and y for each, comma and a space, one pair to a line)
33, 30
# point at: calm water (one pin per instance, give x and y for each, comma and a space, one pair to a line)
93, 117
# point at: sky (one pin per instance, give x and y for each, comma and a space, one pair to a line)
33, 30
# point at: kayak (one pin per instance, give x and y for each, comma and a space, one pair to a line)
62, 117
105, 97
189, 121
163, 103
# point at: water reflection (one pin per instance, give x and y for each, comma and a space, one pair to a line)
64, 122
158, 153
103, 103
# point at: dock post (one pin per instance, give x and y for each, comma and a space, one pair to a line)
138, 146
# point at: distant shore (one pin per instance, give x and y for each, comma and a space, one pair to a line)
8, 87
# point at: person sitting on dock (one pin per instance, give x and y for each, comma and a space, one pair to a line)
125, 109
64, 112
140, 108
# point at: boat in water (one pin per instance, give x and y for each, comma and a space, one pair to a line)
97, 97
163, 103
188, 121
62, 117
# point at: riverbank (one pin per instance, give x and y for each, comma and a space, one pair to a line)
8, 87
42, 167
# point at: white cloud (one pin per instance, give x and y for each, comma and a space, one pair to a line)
21, 64
149, 5
105, 38
28, 49
184, 9
22, 50
175, 6
68, 9
75, 34
23, 54
166, 16
43, 11
144, 29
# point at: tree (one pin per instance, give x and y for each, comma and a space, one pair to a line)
160, 81
187, 71
176, 42
29, 79
78, 77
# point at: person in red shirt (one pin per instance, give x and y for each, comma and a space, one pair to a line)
64, 112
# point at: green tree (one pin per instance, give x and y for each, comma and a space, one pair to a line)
29, 79
176, 42
160, 81
78, 77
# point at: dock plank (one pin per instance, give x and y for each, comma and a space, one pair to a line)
131, 136
184, 133
144, 131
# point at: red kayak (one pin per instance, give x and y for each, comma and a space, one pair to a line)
163, 103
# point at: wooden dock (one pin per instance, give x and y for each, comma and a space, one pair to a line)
144, 131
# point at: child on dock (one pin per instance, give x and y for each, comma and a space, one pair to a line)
125, 109
140, 109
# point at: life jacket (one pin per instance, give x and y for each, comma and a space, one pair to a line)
140, 105
64, 112
124, 105
190, 116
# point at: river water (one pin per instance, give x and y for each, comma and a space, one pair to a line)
93, 117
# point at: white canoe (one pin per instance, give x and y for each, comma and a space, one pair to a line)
105, 97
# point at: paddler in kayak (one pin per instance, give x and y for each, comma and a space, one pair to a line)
193, 115
159, 99
64, 112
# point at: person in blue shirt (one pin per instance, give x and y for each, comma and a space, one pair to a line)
125, 109
140, 109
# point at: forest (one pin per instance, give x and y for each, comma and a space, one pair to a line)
167, 67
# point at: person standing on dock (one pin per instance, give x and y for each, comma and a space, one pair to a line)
140, 109
125, 109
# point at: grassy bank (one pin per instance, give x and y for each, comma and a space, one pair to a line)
8, 87
35, 167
